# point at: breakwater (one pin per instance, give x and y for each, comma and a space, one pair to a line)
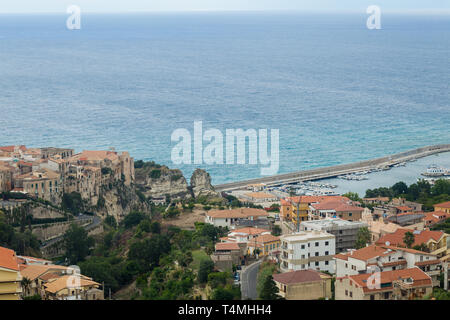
334, 171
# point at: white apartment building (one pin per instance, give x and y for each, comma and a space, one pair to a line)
308, 250
232, 217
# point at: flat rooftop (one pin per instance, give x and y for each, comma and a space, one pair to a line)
333, 222
306, 235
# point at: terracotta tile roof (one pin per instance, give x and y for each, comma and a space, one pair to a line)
11, 148
95, 155
374, 251
378, 226
428, 262
341, 256
443, 205
407, 250
298, 276
436, 217
50, 276
420, 237
365, 253
403, 208
227, 246
33, 271
249, 230
419, 277
8, 259
237, 213
65, 282
338, 206
313, 199
265, 238
394, 263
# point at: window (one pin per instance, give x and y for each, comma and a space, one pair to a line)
326, 253
372, 297
351, 294
326, 262
346, 292
303, 246
317, 263
350, 214
326, 243
386, 295
317, 244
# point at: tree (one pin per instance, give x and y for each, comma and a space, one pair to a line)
269, 290
26, 283
408, 239
72, 202
132, 219
421, 247
148, 252
222, 294
155, 227
276, 230
399, 188
77, 243
440, 187
206, 267
352, 196
111, 221
363, 237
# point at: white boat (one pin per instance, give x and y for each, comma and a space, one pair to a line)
436, 171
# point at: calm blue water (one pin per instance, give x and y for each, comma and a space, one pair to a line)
337, 91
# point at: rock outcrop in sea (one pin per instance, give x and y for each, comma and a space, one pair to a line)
201, 185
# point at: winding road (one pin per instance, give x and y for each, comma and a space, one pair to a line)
248, 281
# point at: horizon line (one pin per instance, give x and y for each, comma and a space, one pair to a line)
429, 11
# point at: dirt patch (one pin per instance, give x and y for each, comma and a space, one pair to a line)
186, 220
125, 293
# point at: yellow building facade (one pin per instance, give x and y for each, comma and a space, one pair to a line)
10, 278
289, 209
443, 207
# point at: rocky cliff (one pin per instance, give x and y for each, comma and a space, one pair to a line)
119, 200
201, 185
157, 181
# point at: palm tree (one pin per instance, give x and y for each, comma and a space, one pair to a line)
408, 239
26, 284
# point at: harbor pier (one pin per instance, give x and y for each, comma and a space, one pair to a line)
338, 170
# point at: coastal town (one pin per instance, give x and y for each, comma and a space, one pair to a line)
66, 218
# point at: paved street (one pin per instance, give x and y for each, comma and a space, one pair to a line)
248, 281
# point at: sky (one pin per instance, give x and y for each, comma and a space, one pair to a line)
118, 6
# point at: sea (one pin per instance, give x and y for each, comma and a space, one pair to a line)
337, 91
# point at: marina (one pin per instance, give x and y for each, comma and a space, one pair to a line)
397, 162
